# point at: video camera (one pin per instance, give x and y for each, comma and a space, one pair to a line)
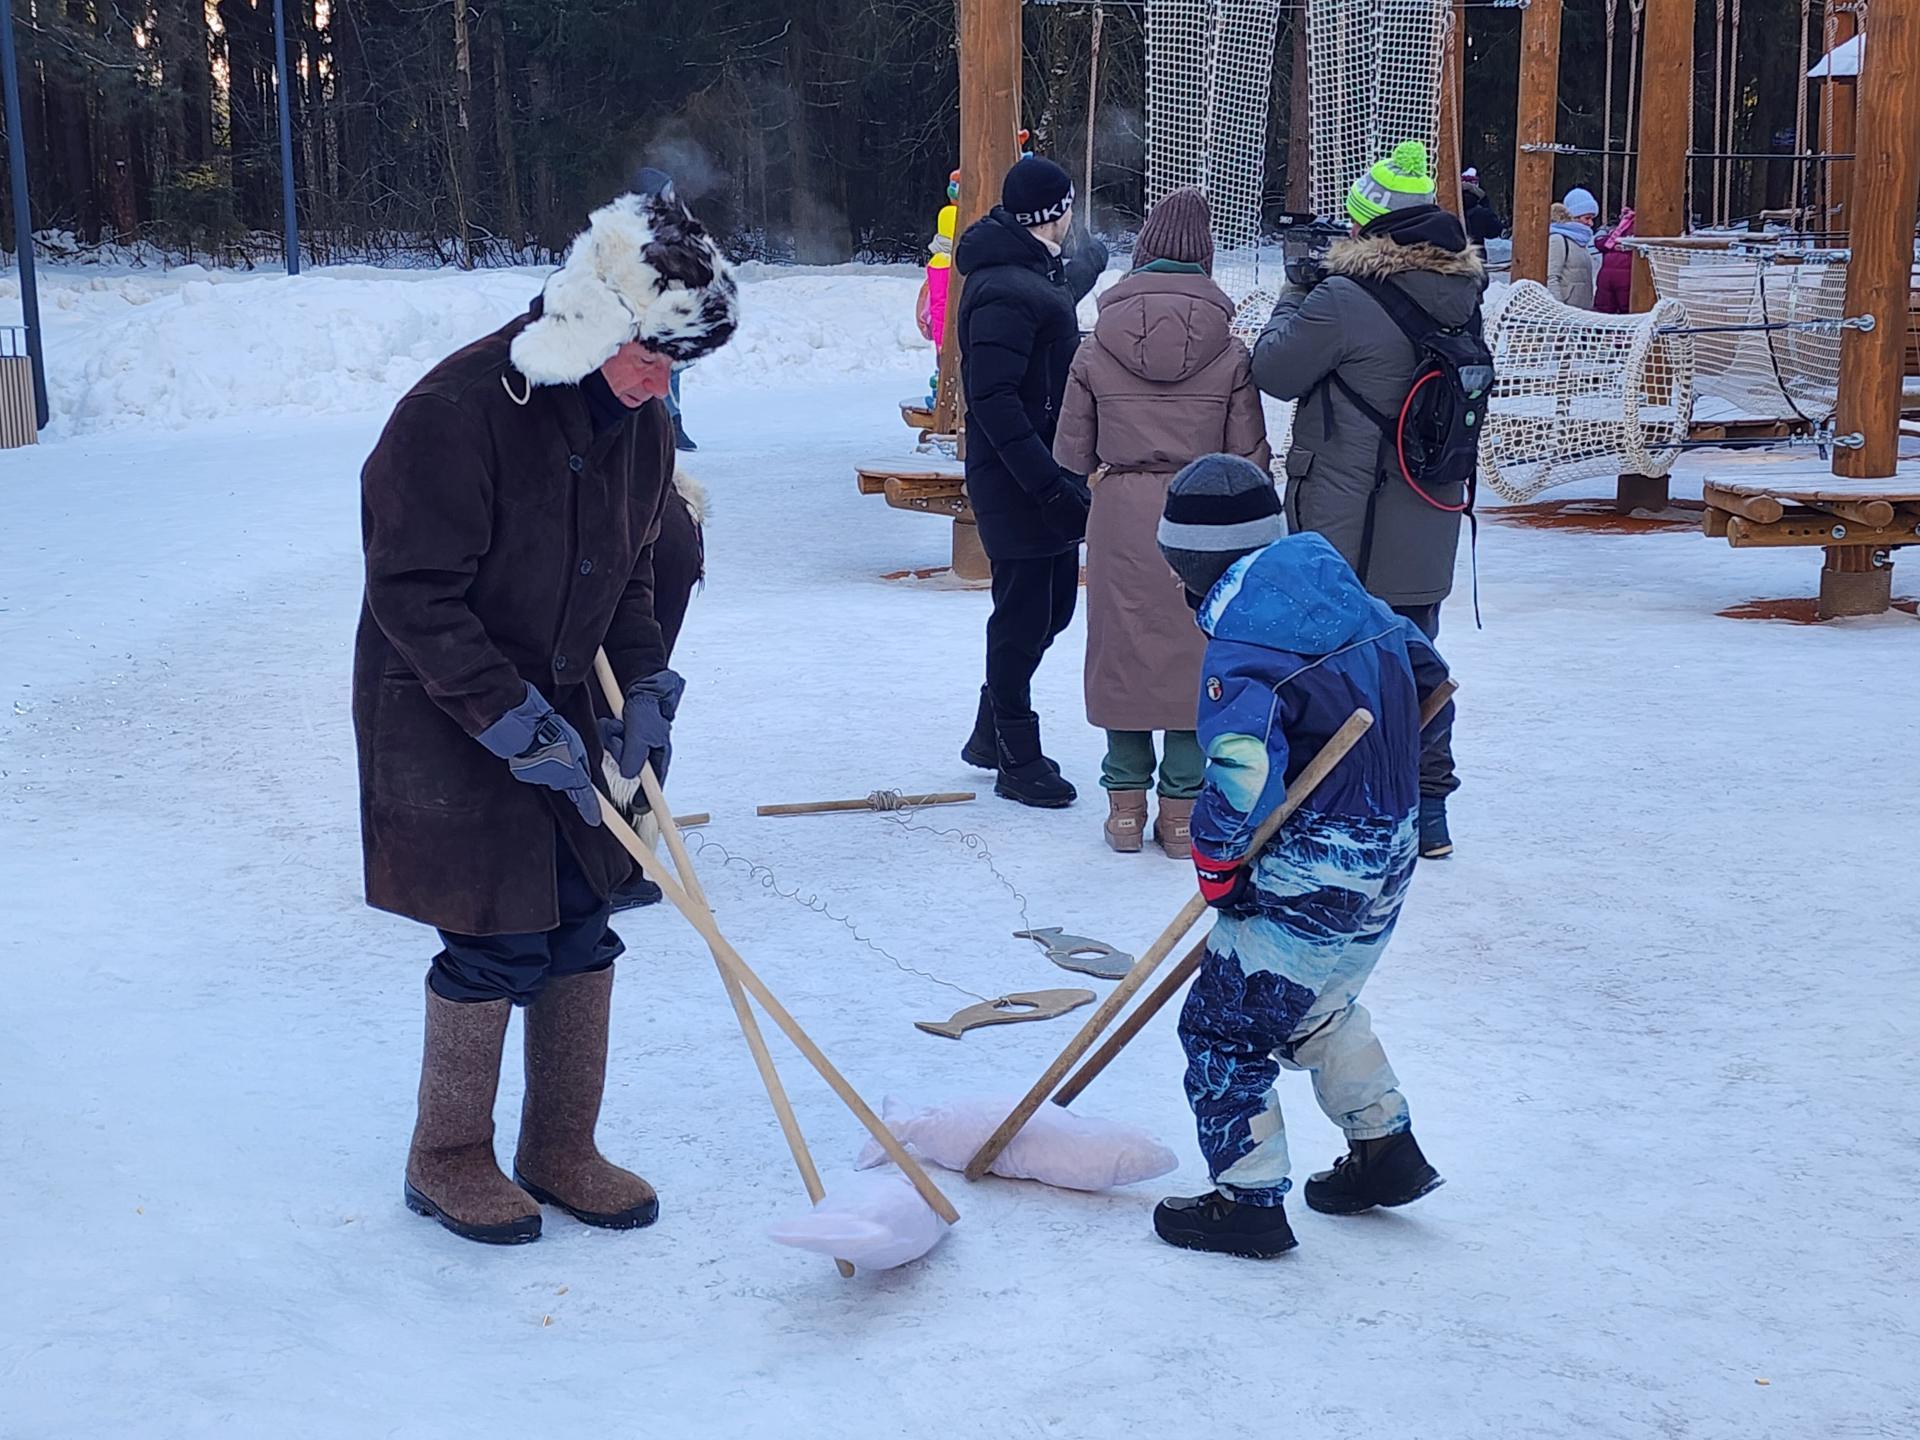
1305, 241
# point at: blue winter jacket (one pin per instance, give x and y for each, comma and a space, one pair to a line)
1296, 644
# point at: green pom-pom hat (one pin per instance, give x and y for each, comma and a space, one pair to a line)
1399, 182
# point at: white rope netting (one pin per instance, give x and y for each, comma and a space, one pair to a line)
1578, 393
1755, 374
1373, 80
1209, 78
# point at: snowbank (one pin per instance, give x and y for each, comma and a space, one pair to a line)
175, 348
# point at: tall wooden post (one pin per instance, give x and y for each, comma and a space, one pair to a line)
1842, 99
1452, 97
1666, 114
1539, 107
1299, 195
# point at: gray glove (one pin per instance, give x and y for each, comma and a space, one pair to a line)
643, 735
541, 748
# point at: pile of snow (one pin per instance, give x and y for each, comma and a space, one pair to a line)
175, 348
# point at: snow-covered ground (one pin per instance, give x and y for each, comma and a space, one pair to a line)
1657, 1020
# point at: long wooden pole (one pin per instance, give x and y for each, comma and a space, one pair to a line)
1666, 110
1452, 96
1303, 786
1840, 100
1539, 109
1886, 179
742, 1011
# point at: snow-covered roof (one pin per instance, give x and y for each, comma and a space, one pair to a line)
1841, 63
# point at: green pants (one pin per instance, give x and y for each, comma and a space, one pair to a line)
1130, 763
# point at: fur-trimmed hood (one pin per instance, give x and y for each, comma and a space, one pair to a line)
643, 269
1447, 284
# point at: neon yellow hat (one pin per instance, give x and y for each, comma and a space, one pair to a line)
1399, 182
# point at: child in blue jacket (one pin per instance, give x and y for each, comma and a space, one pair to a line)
1295, 645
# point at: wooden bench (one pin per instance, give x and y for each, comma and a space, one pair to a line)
931, 485
1858, 523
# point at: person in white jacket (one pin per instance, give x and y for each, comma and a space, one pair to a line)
1570, 263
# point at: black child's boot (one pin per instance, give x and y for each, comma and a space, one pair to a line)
1225, 1227
982, 751
1026, 775
1390, 1171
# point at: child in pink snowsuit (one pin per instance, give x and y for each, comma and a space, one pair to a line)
1613, 291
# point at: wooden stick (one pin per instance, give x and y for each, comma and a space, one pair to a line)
1317, 770
742, 1011
1189, 965
837, 807
689, 822
729, 960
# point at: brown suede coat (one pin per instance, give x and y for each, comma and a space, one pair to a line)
1160, 382
505, 543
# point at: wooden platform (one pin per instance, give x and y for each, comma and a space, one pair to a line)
932, 486
917, 414
1856, 523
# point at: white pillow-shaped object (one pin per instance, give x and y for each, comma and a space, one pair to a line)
873, 1221
1056, 1147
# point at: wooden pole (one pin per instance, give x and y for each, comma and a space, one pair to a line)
840, 807
1299, 192
1843, 98
1452, 99
1539, 109
1303, 786
742, 1011
1666, 110
1093, 109
1886, 179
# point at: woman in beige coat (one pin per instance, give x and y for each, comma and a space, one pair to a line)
1160, 382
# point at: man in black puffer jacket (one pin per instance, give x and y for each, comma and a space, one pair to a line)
1018, 334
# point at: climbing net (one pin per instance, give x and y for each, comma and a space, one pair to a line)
1767, 325
1373, 80
1209, 76
1580, 394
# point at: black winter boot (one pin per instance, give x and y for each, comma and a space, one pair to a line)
1026, 775
1435, 842
1389, 1172
982, 751
681, 440
1226, 1227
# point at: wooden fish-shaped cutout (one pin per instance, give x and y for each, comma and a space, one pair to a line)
1008, 1010
1077, 952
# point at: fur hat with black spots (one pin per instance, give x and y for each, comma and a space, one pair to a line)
644, 269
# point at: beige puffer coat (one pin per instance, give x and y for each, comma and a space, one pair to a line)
1160, 382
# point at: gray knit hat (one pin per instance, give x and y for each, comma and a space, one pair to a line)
1218, 509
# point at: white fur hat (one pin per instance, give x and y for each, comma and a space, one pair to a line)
643, 269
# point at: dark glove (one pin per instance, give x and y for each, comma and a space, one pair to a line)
643, 735
1064, 508
1226, 884
541, 748
1306, 271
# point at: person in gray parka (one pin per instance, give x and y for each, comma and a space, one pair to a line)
1328, 336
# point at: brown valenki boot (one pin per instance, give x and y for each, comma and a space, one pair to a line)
452, 1175
558, 1162
1126, 825
1173, 828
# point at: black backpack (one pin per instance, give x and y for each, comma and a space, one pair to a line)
1433, 442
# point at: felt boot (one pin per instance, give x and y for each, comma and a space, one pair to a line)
557, 1161
1026, 775
452, 1175
1226, 1227
1435, 842
1389, 1171
982, 751
1172, 828
1126, 820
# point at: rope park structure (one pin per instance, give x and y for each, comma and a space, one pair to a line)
1794, 326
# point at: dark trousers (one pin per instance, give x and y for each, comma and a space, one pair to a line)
517, 967
1033, 602
1437, 777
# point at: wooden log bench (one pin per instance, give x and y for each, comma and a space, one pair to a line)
931, 485
1856, 523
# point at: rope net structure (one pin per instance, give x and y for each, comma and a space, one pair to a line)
1753, 373
1373, 80
1579, 394
1209, 78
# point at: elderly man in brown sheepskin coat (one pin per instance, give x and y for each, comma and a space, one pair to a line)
510, 513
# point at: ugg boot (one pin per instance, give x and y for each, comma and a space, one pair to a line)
1226, 1227
982, 751
1173, 828
1026, 774
452, 1175
557, 1160
1390, 1171
1126, 820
